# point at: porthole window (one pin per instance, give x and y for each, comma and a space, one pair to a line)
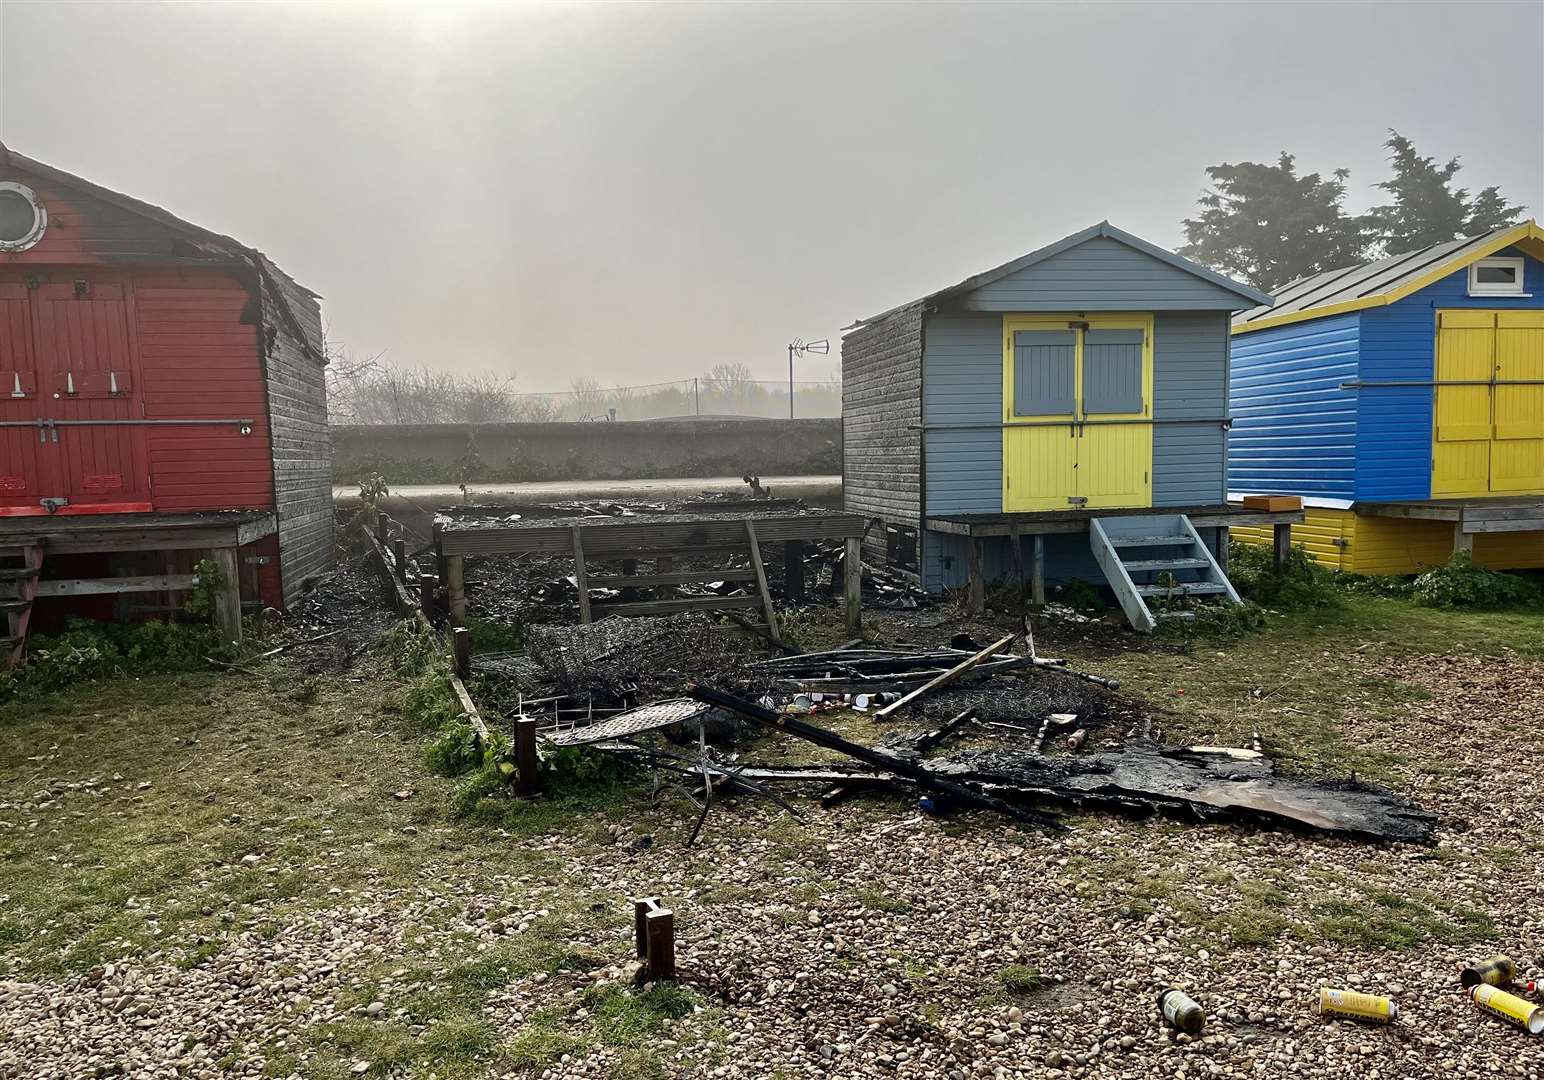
22, 217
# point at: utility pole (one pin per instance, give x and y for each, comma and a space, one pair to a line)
800, 346
790, 382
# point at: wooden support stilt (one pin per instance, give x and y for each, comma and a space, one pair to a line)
227, 601
580, 581
527, 762
455, 588
1282, 537
1462, 541
661, 946
461, 647
428, 599
852, 591
1222, 550
793, 571
1018, 552
976, 586
641, 908
1037, 573
761, 582
399, 556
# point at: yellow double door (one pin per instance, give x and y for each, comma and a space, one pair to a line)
1077, 411
1488, 432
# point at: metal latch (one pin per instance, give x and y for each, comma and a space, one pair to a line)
53, 505
1077, 500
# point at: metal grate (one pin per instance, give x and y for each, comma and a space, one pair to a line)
660, 714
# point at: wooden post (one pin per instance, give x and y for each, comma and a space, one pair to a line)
664, 564
526, 760
852, 591
1037, 573
428, 602
641, 908
1018, 552
660, 924
793, 571
227, 602
761, 581
399, 555
439, 552
455, 588
1282, 537
1222, 550
461, 645
580, 581
976, 586
1462, 541
383, 530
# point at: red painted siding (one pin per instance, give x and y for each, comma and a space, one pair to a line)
200, 361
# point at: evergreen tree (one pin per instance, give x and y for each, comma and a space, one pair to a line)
1266, 225
1425, 208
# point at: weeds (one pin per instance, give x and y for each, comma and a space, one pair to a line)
1461, 584
1020, 979
1299, 583
97, 650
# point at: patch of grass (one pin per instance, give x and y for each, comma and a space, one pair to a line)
90, 650
1019, 979
197, 955
623, 1018
542, 1040
875, 900
1386, 920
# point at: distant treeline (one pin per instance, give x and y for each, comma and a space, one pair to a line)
370, 392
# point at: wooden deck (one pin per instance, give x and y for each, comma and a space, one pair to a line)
1044, 522
1036, 526
661, 538
220, 533
1515, 513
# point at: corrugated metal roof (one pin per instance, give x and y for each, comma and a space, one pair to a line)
1335, 292
1103, 228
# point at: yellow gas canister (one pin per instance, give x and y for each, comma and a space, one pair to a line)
1510, 1007
1497, 971
1355, 1006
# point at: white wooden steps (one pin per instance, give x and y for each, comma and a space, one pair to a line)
1161, 557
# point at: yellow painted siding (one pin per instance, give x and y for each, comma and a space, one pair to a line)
1376, 545
1319, 534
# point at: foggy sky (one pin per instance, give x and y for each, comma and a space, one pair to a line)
638, 192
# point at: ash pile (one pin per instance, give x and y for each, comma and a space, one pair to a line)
1005, 730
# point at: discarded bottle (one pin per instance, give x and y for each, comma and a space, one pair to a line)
1497, 971
1181, 1011
1357, 1006
1510, 1007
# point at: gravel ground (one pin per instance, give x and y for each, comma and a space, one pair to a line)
868, 940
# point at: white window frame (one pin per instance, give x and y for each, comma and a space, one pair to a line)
1487, 288
39, 217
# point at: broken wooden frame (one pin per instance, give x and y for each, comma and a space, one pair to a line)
629, 540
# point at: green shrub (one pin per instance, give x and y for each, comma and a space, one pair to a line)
1079, 595
1300, 583
1461, 584
97, 650
454, 750
412, 648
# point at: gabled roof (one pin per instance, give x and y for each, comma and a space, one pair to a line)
1374, 284
296, 303
1104, 229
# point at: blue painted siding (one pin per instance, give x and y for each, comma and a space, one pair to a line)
1190, 364
1294, 429
1398, 341
962, 384
1102, 274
